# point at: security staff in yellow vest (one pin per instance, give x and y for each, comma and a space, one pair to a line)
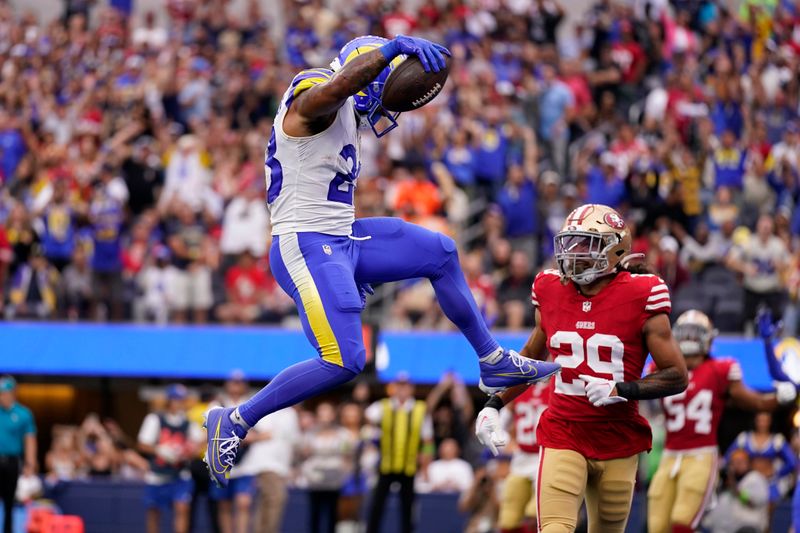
406, 432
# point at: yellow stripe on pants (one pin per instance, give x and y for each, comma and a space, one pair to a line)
309, 296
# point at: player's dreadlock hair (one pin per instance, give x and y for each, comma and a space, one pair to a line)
634, 264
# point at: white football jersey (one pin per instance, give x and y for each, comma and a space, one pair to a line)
311, 181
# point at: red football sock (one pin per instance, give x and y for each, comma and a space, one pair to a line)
676, 528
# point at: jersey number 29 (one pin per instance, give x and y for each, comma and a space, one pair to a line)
588, 351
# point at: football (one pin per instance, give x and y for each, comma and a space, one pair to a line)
409, 87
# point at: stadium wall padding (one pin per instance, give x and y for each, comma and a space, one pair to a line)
211, 352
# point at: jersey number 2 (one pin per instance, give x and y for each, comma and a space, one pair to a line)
589, 352
527, 420
342, 186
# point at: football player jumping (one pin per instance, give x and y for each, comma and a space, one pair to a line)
687, 474
325, 259
598, 320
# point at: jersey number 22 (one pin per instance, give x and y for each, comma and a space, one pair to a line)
342, 187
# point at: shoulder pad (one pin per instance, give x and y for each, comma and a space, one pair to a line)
308, 78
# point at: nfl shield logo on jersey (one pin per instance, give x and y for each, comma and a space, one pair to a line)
587, 306
326, 248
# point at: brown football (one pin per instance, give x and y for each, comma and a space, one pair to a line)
409, 87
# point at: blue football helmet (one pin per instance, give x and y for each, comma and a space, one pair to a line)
368, 101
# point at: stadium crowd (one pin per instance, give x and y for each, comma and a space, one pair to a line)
132, 151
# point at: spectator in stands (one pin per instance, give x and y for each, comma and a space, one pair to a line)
517, 200
21, 236
58, 227
668, 266
141, 169
481, 500
416, 196
481, 285
245, 225
202, 481
729, 163
701, 250
604, 184
449, 473
785, 155
459, 158
17, 447
78, 286
156, 282
355, 488
34, 289
170, 441
399, 413
189, 243
762, 261
270, 453
514, 292
187, 178
247, 289
63, 461
195, 94
744, 501
234, 501
491, 141
723, 211
544, 18
556, 105
329, 450
451, 410
106, 216
13, 142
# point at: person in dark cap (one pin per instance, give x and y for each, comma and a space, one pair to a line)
170, 440
17, 441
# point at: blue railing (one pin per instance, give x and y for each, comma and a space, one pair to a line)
118, 506
212, 351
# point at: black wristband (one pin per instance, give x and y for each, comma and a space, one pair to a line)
495, 402
629, 390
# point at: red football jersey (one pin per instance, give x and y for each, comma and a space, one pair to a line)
693, 416
599, 336
527, 409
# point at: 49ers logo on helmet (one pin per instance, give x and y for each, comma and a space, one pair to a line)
614, 220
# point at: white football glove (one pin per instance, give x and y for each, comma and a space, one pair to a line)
785, 392
598, 391
487, 429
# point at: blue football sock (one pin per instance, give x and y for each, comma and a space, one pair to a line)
293, 385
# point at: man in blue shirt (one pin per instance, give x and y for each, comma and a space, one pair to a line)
556, 104
106, 215
518, 201
604, 184
12, 146
17, 440
491, 153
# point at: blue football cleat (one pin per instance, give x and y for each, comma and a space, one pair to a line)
224, 439
501, 371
